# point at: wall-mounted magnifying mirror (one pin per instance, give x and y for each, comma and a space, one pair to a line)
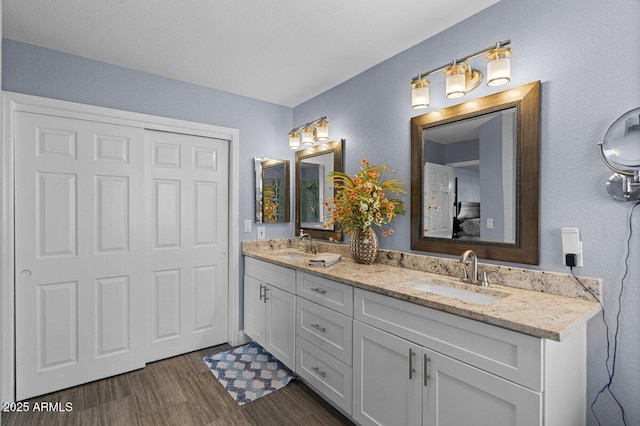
620, 151
474, 177
272, 190
313, 187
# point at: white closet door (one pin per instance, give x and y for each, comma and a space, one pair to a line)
79, 261
187, 199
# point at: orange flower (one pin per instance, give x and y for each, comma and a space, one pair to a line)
391, 232
384, 233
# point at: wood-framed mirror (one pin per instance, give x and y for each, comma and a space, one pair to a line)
313, 187
272, 190
475, 171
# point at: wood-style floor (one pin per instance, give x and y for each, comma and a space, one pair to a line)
177, 391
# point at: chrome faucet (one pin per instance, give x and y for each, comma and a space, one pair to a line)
308, 248
474, 267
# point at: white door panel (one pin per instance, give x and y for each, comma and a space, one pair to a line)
79, 279
187, 199
438, 200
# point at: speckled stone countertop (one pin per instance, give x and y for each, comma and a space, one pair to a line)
531, 312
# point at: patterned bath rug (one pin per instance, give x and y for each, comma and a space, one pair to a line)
248, 372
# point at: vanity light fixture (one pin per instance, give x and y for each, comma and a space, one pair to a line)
461, 78
312, 132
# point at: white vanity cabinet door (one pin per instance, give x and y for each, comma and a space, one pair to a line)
384, 390
281, 325
270, 308
459, 394
254, 310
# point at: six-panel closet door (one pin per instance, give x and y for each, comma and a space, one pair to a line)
121, 248
187, 193
79, 252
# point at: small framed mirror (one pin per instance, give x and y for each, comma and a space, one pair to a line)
313, 187
475, 171
272, 192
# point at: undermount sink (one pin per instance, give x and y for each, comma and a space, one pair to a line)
292, 256
483, 297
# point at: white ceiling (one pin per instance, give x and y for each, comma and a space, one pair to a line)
281, 51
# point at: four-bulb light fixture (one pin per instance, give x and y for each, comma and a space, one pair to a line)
461, 78
312, 132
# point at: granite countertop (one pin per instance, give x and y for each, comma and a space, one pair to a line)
530, 312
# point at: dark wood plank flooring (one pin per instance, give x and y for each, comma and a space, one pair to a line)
177, 391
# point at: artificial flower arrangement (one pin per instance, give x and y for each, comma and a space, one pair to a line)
364, 201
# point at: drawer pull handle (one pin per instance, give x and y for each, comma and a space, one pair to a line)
319, 328
411, 369
265, 294
426, 370
319, 290
262, 288
319, 372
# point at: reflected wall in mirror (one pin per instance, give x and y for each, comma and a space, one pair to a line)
272, 190
475, 177
313, 187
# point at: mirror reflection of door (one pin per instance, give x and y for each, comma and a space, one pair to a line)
479, 156
438, 200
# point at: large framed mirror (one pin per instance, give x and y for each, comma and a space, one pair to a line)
475, 171
272, 192
312, 187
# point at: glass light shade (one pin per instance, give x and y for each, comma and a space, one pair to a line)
307, 135
498, 66
322, 130
456, 81
420, 93
294, 140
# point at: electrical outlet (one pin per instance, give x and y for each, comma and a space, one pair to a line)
571, 244
247, 225
489, 223
261, 232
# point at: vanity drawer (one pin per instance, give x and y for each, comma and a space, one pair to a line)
329, 330
268, 273
505, 353
332, 294
329, 376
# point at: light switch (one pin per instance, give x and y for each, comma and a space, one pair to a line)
247, 225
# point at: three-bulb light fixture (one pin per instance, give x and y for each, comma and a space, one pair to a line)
311, 132
461, 78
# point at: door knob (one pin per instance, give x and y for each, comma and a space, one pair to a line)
25, 273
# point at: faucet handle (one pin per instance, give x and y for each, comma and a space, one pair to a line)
485, 279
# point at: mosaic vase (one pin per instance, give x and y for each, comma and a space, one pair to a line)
364, 246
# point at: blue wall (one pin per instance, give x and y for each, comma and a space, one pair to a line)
576, 49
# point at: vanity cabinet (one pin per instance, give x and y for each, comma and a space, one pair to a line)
386, 361
414, 365
324, 342
270, 308
399, 382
